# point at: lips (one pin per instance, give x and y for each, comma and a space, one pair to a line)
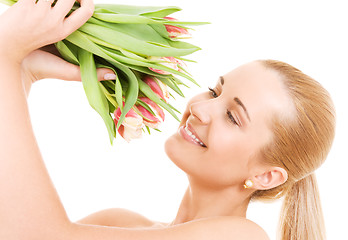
190, 135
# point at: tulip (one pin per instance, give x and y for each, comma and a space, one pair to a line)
149, 119
157, 87
170, 62
176, 32
131, 126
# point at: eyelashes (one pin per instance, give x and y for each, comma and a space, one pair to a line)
229, 114
212, 92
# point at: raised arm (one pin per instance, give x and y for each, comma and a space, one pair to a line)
29, 204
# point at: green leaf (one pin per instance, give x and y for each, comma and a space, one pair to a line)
178, 81
118, 93
142, 32
137, 10
81, 40
68, 51
148, 129
110, 97
94, 94
183, 45
117, 88
162, 12
161, 30
171, 84
132, 90
155, 64
8, 2
125, 41
123, 18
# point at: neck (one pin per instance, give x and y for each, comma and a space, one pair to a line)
203, 202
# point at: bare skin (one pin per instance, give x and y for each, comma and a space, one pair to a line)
215, 204
214, 192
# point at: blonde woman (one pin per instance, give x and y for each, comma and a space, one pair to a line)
259, 134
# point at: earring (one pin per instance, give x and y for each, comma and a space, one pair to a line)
248, 183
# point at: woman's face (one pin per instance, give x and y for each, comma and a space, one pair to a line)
231, 124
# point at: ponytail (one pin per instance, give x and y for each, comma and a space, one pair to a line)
301, 216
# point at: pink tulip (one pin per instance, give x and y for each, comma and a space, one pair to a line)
176, 32
131, 126
157, 87
170, 62
151, 120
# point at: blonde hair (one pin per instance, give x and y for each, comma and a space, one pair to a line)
300, 145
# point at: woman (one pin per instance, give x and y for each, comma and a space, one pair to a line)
259, 134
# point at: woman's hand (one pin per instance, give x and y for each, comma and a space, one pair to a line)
40, 64
27, 25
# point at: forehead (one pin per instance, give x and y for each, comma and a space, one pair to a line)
260, 89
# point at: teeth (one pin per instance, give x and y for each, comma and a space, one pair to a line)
193, 136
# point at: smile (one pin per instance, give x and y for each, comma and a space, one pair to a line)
188, 135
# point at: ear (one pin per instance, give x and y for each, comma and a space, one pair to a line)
272, 178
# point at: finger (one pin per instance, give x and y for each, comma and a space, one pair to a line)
63, 6
46, 4
102, 75
55, 67
46, 65
78, 17
28, 2
105, 74
72, 73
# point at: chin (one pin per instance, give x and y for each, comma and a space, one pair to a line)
170, 146
172, 149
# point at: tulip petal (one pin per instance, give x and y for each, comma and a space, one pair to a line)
154, 106
150, 94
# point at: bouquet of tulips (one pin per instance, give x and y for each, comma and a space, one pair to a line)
142, 46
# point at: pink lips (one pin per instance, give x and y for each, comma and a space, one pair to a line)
184, 134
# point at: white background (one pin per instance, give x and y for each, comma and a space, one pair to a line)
91, 175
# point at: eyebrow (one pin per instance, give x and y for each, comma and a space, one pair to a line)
237, 100
222, 81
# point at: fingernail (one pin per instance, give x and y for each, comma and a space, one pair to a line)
109, 76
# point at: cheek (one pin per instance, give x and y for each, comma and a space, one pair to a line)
232, 151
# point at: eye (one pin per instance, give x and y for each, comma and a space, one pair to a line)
229, 114
212, 92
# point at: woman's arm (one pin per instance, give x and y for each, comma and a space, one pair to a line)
29, 205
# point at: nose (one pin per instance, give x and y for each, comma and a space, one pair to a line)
201, 111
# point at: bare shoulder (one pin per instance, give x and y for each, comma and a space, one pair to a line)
229, 228
247, 229
117, 217
218, 228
